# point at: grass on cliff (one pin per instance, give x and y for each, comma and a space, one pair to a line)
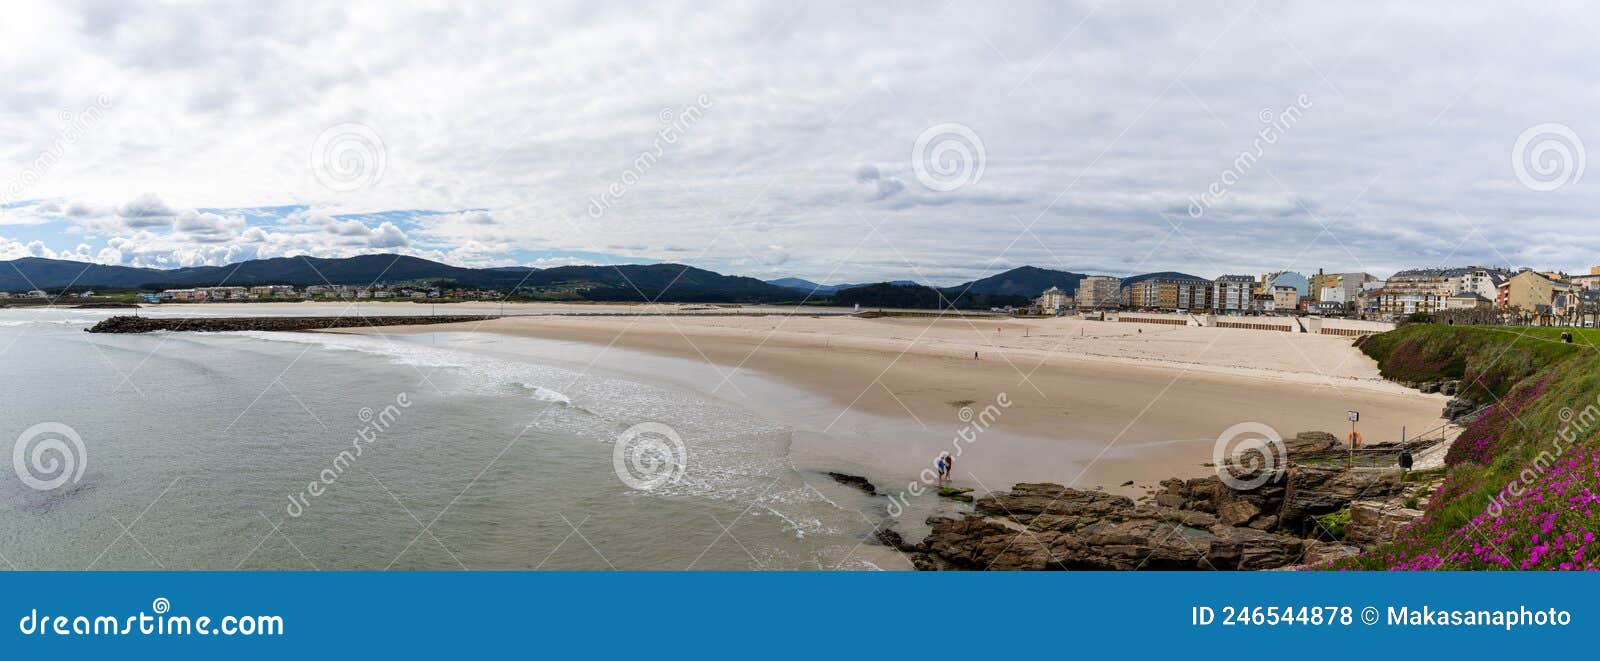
1519, 489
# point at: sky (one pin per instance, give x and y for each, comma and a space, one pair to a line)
838, 142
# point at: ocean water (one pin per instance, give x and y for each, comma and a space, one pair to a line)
437, 451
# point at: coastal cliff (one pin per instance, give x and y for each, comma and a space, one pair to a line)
132, 324
1515, 489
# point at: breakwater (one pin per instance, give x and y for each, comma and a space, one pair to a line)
132, 324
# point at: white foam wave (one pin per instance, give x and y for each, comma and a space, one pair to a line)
544, 394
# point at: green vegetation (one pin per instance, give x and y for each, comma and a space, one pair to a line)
1334, 522
1519, 487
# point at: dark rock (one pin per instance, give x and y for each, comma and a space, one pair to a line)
1429, 387
131, 324
1458, 408
1237, 512
1318, 552
854, 481
1315, 490
892, 539
1247, 549
1310, 442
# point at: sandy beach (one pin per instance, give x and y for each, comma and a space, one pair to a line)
1090, 403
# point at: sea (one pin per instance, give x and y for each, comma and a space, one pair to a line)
435, 451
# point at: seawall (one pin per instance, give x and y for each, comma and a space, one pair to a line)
132, 324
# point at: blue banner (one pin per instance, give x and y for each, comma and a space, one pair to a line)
784, 615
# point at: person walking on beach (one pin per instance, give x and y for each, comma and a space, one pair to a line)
949, 466
940, 466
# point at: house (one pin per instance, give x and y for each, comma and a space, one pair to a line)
150, 298
1590, 281
37, 294
1467, 300
1425, 290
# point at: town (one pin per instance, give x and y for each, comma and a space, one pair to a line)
1469, 294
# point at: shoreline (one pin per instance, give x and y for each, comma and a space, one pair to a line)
1095, 405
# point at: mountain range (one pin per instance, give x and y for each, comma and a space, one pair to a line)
627, 282
807, 286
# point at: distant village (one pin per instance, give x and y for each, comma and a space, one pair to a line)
285, 293
1476, 294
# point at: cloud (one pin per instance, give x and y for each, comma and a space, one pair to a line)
1098, 123
388, 236
146, 211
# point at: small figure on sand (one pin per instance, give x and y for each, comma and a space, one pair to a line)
941, 466
949, 466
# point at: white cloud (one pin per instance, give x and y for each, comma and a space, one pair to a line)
1098, 126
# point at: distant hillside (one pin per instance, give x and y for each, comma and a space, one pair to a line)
631, 282
807, 286
888, 295
1027, 281
1160, 274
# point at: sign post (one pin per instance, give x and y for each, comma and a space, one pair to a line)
1355, 438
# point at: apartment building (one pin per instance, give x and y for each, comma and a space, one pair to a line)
1231, 293
1099, 292
1168, 294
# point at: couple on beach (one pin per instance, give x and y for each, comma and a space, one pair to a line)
945, 465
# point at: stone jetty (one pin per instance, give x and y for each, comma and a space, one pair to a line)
132, 324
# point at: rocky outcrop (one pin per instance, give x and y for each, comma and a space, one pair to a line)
1047, 526
1315, 490
854, 481
1375, 522
1196, 523
133, 324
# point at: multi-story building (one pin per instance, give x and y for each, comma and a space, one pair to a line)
1231, 293
1285, 278
1099, 292
1531, 292
1168, 294
1054, 299
1425, 290
1590, 281
1285, 297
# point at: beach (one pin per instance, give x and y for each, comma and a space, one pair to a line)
1083, 403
